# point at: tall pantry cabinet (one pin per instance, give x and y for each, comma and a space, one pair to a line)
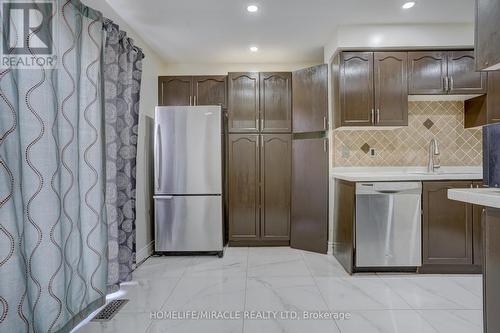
259, 158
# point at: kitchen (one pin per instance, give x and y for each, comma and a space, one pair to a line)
255, 166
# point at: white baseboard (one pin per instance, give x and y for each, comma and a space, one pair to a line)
145, 252
330, 248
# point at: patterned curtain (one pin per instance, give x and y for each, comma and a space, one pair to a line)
122, 72
53, 229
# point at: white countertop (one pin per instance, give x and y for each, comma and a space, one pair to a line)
489, 197
380, 174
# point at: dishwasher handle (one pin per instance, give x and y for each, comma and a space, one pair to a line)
389, 188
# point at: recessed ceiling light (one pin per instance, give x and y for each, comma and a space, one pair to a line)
408, 5
254, 48
252, 8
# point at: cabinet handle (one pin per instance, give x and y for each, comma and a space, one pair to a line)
378, 116
262, 124
194, 100
451, 83
373, 117
257, 124
190, 100
446, 86
325, 145
262, 141
325, 125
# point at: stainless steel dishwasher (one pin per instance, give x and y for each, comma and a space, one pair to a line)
388, 225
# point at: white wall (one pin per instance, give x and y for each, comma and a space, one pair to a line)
223, 69
152, 65
400, 36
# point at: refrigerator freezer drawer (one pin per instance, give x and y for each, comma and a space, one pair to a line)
188, 223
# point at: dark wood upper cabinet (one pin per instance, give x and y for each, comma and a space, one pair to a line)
447, 226
356, 89
484, 109
175, 91
493, 97
243, 172
427, 72
463, 78
310, 99
487, 43
391, 89
275, 174
309, 225
243, 102
210, 90
276, 102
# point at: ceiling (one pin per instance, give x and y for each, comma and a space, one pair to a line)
286, 31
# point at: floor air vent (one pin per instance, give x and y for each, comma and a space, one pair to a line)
110, 310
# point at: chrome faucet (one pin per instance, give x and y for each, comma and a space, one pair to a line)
433, 151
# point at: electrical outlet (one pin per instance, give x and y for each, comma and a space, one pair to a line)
371, 152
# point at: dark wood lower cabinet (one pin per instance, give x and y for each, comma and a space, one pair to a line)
275, 176
448, 230
344, 219
310, 195
243, 173
491, 271
259, 173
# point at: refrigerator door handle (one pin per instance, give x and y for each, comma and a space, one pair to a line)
163, 197
158, 158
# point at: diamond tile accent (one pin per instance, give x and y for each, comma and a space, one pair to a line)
428, 123
407, 146
365, 148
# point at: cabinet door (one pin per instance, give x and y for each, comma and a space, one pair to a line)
310, 99
427, 73
275, 174
175, 91
276, 102
447, 225
309, 223
493, 98
210, 90
391, 88
491, 271
477, 231
487, 43
462, 74
356, 89
243, 102
243, 173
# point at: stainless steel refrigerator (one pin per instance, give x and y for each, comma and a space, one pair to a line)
188, 179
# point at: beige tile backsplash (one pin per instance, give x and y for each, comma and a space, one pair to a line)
408, 146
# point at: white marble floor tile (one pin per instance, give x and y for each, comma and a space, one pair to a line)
208, 294
160, 267
147, 295
194, 326
454, 321
274, 251
434, 293
238, 251
266, 265
359, 294
290, 326
473, 283
386, 321
324, 265
231, 265
283, 294
123, 323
